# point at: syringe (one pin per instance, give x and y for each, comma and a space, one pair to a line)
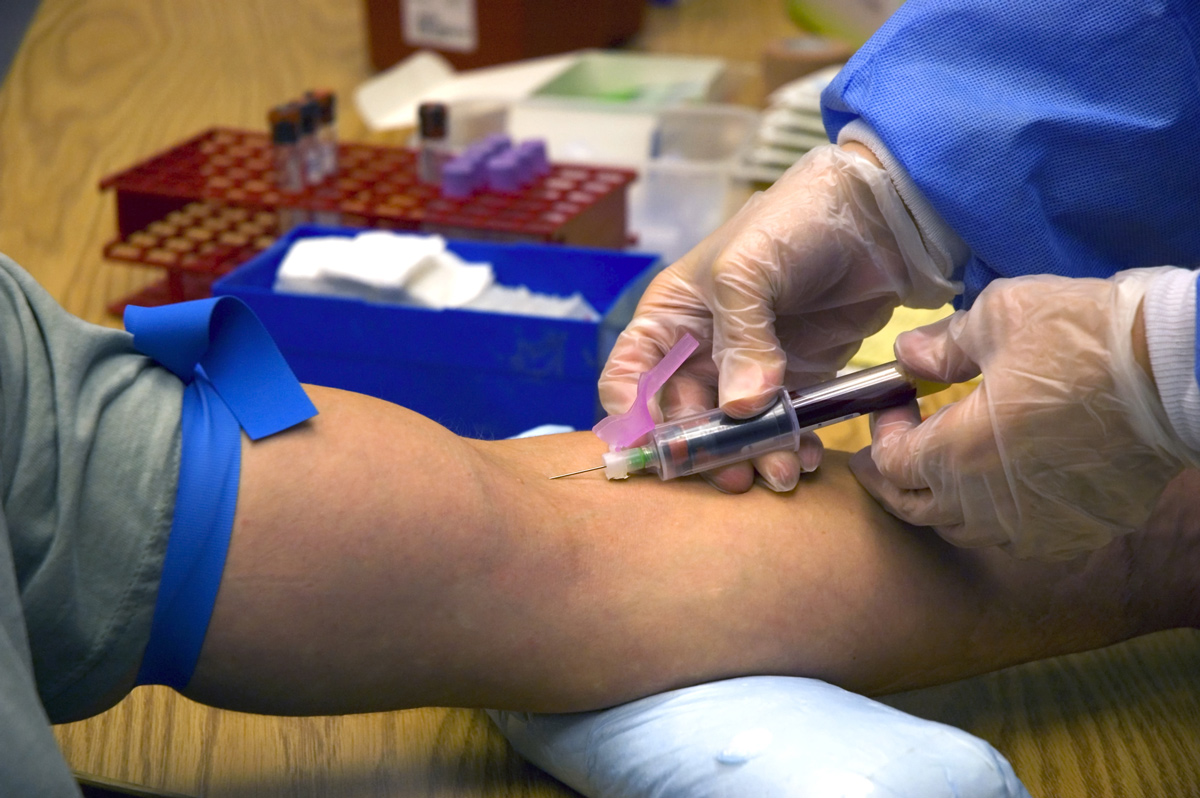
713, 439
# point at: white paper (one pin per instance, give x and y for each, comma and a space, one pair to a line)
441, 24
390, 99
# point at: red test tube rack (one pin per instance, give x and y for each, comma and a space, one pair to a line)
209, 204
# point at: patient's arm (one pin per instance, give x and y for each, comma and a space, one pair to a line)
379, 562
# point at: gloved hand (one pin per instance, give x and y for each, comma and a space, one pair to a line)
1063, 446
781, 295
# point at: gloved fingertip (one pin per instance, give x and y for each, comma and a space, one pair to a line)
714, 482
780, 483
894, 420
862, 466
959, 534
780, 471
934, 353
747, 389
905, 343
616, 397
920, 353
748, 405
734, 479
810, 455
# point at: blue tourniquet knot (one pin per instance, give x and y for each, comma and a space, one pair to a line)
236, 379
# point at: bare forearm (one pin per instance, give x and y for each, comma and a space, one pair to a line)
359, 579
688, 585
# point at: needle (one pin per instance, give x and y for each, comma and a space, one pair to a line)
581, 471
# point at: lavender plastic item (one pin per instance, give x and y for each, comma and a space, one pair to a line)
504, 173
494, 144
533, 151
459, 178
494, 163
526, 164
524, 168
623, 431
487, 147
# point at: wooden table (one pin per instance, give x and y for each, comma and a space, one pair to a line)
99, 85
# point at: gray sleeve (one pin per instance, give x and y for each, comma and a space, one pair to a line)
89, 459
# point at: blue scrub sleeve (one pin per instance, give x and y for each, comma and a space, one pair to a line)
1054, 136
236, 380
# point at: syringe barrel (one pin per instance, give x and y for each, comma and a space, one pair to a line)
713, 439
861, 392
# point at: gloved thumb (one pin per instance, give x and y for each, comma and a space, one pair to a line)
933, 352
749, 380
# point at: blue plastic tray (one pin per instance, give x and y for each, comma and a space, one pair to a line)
485, 375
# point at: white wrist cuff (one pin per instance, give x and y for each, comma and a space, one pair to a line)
948, 252
1170, 316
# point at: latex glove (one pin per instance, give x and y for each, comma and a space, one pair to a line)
1063, 446
781, 295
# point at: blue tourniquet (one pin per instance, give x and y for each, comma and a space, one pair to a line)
236, 379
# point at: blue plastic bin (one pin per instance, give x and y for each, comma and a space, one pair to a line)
484, 375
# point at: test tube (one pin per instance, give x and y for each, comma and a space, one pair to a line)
289, 169
310, 148
285, 138
712, 439
433, 149
327, 132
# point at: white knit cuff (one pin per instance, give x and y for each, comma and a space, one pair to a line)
1170, 313
948, 251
